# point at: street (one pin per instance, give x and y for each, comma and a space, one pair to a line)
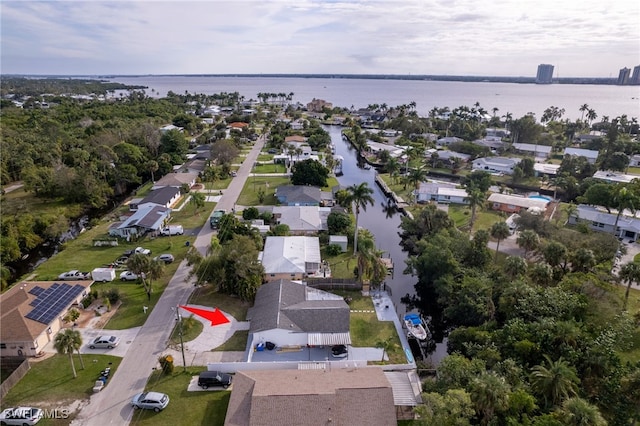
112, 405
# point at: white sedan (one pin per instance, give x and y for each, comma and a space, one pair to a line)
21, 416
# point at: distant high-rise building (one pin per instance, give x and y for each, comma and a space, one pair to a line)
635, 77
545, 74
623, 77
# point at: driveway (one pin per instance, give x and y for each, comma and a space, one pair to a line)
88, 334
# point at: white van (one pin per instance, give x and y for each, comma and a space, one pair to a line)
103, 274
172, 230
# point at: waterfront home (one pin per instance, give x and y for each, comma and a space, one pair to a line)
302, 220
589, 154
616, 177
447, 156
293, 258
496, 164
176, 180
32, 312
295, 141
515, 203
318, 105
394, 150
599, 219
327, 396
148, 217
291, 313
298, 195
538, 151
440, 193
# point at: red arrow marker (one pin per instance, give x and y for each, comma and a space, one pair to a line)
216, 317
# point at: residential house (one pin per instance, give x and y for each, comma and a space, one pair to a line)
302, 220
194, 165
543, 169
634, 160
616, 177
176, 180
440, 193
237, 125
317, 105
298, 195
394, 150
599, 219
499, 133
447, 156
166, 197
448, 141
538, 151
294, 140
589, 154
298, 124
496, 164
515, 204
148, 217
294, 314
495, 146
588, 137
169, 127
341, 397
294, 257
31, 314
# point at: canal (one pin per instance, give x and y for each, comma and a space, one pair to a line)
383, 220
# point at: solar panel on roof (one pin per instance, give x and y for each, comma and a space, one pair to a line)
51, 302
37, 290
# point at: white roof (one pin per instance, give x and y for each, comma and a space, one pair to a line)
303, 218
579, 152
611, 176
453, 192
530, 147
290, 254
502, 161
550, 169
518, 201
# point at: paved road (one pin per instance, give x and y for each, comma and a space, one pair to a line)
111, 406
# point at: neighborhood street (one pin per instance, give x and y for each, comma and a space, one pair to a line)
112, 405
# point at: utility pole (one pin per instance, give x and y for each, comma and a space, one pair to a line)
179, 319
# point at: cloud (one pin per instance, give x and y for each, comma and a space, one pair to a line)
493, 37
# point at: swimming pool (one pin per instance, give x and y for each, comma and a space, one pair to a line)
540, 197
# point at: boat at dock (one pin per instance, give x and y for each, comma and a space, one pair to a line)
416, 326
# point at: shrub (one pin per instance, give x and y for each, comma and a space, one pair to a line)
334, 250
113, 295
250, 213
166, 362
71, 316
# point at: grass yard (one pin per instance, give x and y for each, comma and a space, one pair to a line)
268, 168
265, 157
185, 408
237, 342
207, 296
341, 265
190, 219
249, 194
19, 201
50, 383
190, 330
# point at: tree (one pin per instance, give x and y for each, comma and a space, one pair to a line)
554, 381
490, 395
386, 346
454, 408
359, 196
528, 240
338, 223
630, 272
555, 254
197, 200
309, 172
476, 198
66, 342
576, 411
624, 199
140, 264
583, 108
224, 151
499, 231
515, 266
582, 260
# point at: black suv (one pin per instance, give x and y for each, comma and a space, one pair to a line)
214, 378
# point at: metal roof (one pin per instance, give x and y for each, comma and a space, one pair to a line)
328, 339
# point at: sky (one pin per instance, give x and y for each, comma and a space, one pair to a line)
581, 38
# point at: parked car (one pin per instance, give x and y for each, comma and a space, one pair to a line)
155, 401
21, 416
166, 258
128, 276
141, 250
214, 378
74, 275
104, 342
339, 351
172, 230
233, 173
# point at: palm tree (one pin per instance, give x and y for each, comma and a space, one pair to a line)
386, 346
578, 412
630, 272
416, 176
591, 115
140, 265
583, 108
393, 168
360, 196
155, 271
66, 342
490, 394
476, 198
499, 231
515, 266
623, 199
528, 240
197, 200
370, 266
555, 381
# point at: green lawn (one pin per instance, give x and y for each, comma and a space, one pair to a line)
185, 408
341, 265
237, 342
265, 157
268, 168
19, 201
206, 296
189, 332
249, 194
190, 219
50, 383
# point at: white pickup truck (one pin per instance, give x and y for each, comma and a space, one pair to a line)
74, 275
142, 251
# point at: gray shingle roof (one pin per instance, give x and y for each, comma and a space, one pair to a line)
298, 194
287, 305
161, 196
